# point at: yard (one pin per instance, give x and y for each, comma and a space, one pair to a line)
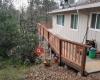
39, 72
55, 72
11, 72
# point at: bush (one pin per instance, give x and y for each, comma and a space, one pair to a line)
17, 37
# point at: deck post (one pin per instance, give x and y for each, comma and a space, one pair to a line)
83, 62
60, 52
48, 35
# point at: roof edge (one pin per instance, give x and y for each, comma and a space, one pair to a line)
80, 7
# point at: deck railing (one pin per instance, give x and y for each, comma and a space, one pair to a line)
73, 53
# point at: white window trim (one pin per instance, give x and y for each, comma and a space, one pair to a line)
94, 29
60, 25
77, 22
64, 20
74, 29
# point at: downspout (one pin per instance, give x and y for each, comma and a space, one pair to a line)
85, 49
87, 28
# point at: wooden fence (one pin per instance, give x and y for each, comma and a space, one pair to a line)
72, 53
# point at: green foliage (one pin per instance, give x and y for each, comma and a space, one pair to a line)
16, 38
37, 10
8, 31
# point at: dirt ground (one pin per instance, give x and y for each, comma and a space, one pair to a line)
39, 72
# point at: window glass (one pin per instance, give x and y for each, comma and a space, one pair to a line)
98, 22
60, 20
93, 20
74, 21
63, 20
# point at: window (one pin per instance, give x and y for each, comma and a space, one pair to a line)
73, 1
74, 21
95, 21
60, 20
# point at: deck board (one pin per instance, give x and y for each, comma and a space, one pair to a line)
92, 65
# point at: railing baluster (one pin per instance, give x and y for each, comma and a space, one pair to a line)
72, 52
68, 50
65, 50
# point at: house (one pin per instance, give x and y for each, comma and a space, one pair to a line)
72, 26
72, 23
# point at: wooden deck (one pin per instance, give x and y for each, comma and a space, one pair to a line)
92, 65
72, 53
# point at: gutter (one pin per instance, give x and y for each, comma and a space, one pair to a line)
87, 6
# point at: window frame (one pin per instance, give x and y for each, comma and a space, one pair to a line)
61, 25
95, 28
72, 28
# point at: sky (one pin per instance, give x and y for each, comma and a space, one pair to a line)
22, 3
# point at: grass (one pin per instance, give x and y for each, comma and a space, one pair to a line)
9, 72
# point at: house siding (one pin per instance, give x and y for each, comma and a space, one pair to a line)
66, 31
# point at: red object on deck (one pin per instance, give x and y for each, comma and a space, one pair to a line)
39, 51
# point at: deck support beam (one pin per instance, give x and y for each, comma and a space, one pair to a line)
83, 62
